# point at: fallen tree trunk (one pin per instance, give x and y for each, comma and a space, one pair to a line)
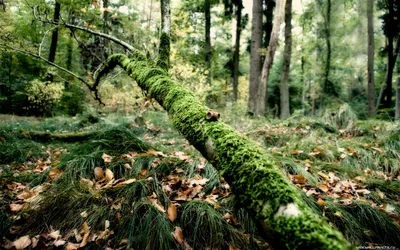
257, 182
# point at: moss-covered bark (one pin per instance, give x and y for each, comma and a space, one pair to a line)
256, 181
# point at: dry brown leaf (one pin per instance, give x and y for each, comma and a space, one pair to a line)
109, 175
54, 173
16, 207
87, 182
35, 241
380, 193
157, 204
363, 191
127, 166
299, 179
98, 173
324, 176
346, 201
360, 179
22, 242
178, 235
85, 239
58, 243
324, 188
107, 158
182, 156
233, 247
172, 212
230, 219
26, 195
320, 202
124, 183
380, 151
72, 246
338, 214
296, 152
54, 235
144, 172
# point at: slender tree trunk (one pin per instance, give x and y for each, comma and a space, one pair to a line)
397, 109
207, 13
255, 58
284, 87
106, 27
258, 184
328, 87
165, 34
54, 36
371, 85
269, 15
262, 91
384, 85
236, 55
3, 5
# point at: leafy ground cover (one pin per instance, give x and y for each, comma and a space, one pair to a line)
129, 182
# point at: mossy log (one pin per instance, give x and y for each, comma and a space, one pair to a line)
65, 137
255, 179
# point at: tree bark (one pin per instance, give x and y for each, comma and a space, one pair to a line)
262, 91
207, 14
384, 85
387, 95
371, 85
106, 28
257, 182
255, 57
165, 34
397, 109
284, 87
54, 35
328, 86
236, 55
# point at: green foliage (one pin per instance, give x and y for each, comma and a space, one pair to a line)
42, 97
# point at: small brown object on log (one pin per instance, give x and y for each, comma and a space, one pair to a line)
212, 115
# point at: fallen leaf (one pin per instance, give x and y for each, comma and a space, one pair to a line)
324, 188
363, 191
84, 214
230, 219
320, 202
16, 207
172, 212
109, 175
338, 214
72, 246
22, 242
127, 166
26, 195
346, 201
296, 152
233, 247
299, 179
324, 176
54, 235
144, 172
54, 173
106, 158
35, 240
178, 235
58, 243
380, 151
157, 204
124, 183
380, 193
98, 173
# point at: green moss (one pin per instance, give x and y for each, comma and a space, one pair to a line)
258, 183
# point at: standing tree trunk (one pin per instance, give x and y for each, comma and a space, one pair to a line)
262, 91
267, 26
255, 58
54, 35
284, 87
371, 85
207, 14
106, 27
387, 95
328, 88
165, 46
236, 55
397, 110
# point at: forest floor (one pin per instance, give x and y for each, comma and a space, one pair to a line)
129, 182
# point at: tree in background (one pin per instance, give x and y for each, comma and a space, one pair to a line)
371, 83
287, 54
273, 43
255, 57
391, 29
